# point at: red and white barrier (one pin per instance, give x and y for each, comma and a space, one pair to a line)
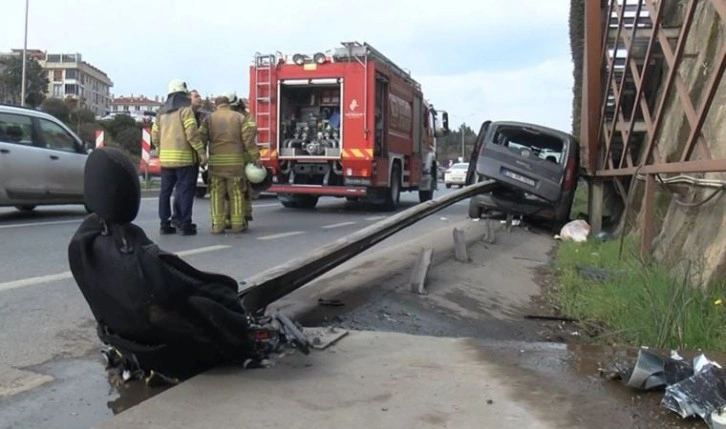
99, 138
146, 144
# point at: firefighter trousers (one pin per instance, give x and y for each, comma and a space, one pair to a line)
221, 187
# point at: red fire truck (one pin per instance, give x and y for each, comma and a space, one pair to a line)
345, 123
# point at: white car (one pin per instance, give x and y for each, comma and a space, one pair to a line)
41, 160
456, 174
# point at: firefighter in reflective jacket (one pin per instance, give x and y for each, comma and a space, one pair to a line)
223, 130
176, 138
249, 136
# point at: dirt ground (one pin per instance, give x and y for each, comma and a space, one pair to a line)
487, 300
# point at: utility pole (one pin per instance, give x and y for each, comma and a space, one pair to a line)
25, 58
462, 140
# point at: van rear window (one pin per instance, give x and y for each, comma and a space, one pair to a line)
538, 143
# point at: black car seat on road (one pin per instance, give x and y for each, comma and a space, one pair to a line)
149, 304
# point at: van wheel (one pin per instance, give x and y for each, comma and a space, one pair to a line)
393, 197
25, 208
474, 210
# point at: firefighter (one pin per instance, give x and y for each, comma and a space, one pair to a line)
223, 130
249, 136
175, 135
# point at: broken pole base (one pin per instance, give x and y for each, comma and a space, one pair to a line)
420, 269
460, 253
490, 236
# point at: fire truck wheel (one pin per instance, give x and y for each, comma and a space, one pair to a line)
393, 196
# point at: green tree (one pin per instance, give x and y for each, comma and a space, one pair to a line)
36, 80
58, 108
124, 132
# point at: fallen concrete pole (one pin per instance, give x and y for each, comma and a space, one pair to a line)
262, 289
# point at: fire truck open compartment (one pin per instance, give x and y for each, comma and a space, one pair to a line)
310, 118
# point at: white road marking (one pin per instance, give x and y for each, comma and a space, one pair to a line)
337, 225
372, 218
31, 281
281, 235
26, 224
62, 222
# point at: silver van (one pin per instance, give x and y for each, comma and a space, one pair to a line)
537, 166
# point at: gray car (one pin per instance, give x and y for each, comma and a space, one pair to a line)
41, 160
537, 168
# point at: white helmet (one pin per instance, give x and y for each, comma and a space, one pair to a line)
232, 97
254, 173
176, 85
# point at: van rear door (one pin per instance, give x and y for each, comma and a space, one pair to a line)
527, 157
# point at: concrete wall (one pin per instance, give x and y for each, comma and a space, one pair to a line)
696, 234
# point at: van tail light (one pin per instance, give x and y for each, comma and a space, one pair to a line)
569, 174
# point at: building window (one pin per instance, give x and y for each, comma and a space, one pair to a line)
71, 88
57, 75
57, 90
137, 108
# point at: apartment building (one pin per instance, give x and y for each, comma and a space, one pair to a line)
70, 76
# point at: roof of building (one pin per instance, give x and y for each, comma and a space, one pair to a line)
141, 100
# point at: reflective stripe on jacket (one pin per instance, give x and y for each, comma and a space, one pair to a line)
176, 137
224, 131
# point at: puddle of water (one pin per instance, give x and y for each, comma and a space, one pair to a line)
574, 370
80, 396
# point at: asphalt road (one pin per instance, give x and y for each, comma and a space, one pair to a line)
50, 371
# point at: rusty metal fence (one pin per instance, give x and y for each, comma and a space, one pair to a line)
632, 75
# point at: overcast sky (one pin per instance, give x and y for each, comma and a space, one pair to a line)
480, 60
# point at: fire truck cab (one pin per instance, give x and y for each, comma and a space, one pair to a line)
345, 123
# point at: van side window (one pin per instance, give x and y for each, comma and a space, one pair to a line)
16, 129
56, 137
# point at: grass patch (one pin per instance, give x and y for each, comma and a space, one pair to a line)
637, 304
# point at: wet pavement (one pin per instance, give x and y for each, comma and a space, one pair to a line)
88, 386
521, 348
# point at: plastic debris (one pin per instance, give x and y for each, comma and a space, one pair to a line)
576, 230
699, 395
696, 388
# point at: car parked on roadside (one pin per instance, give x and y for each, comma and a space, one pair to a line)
456, 175
536, 166
42, 161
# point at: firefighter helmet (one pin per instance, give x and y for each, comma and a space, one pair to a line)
262, 186
254, 173
176, 85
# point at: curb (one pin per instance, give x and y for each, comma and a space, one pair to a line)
371, 273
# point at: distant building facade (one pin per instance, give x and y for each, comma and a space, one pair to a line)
136, 105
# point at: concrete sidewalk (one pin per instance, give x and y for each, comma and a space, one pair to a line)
366, 380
